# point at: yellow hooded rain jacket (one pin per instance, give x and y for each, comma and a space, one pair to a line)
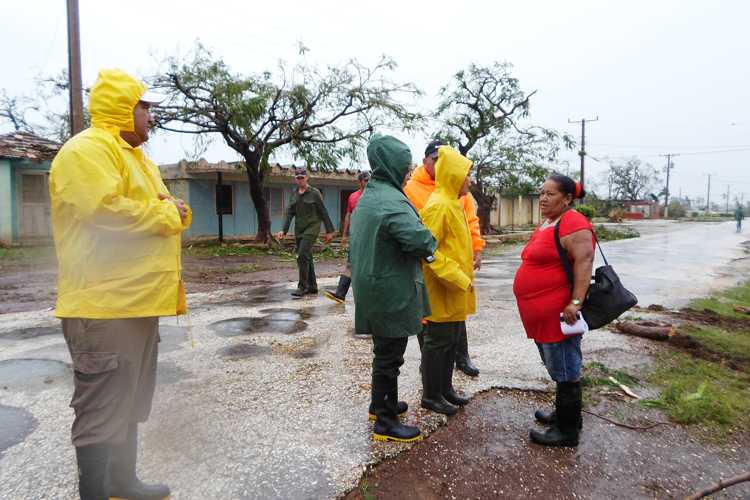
118, 245
449, 277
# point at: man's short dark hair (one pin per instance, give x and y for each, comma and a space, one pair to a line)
432, 148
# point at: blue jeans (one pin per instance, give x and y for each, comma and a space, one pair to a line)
563, 360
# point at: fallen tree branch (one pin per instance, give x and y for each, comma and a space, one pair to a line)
627, 426
724, 483
647, 329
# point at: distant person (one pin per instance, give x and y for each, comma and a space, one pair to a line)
739, 214
544, 299
117, 236
339, 295
419, 188
448, 280
388, 244
308, 211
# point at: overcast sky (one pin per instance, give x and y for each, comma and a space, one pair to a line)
662, 76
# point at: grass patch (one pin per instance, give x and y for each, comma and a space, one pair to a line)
597, 374
606, 233
735, 345
241, 250
26, 255
724, 302
700, 392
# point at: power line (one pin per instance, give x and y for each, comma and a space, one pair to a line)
582, 152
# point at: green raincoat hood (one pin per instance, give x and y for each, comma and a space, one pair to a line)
113, 99
389, 159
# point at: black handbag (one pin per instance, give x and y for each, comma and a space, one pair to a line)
607, 298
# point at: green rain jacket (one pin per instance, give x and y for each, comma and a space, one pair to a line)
388, 243
308, 211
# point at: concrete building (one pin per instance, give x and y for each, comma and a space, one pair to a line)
642, 209
197, 183
24, 195
515, 211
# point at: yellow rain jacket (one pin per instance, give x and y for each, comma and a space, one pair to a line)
118, 246
449, 277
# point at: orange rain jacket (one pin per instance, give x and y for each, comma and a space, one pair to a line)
421, 186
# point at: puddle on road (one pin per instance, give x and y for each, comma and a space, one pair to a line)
257, 296
170, 373
31, 333
172, 338
284, 313
248, 326
243, 351
32, 374
15, 425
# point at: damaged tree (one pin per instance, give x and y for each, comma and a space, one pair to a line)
320, 117
481, 113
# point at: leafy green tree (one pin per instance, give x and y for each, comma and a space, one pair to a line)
484, 112
323, 117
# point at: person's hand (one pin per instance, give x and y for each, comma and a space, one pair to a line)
178, 203
477, 260
280, 235
328, 237
570, 313
344, 241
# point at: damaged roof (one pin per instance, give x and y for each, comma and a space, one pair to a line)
24, 145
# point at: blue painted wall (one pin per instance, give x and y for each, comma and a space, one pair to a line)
17, 166
243, 220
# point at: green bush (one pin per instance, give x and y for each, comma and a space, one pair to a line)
586, 210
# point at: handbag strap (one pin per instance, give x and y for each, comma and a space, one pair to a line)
564, 255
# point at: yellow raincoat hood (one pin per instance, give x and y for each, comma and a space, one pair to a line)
118, 244
449, 278
113, 99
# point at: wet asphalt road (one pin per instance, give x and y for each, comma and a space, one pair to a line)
261, 396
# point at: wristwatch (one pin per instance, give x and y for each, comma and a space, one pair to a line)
429, 259
576, 302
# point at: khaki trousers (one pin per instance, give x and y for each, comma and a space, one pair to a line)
114, 363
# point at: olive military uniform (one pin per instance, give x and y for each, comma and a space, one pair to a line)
308, 211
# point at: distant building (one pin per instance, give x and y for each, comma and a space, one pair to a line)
642, 209
512, 211
197, 183
24, 196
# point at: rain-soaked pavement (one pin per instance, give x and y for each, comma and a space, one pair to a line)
262, 396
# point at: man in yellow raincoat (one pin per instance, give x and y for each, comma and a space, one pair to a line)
419, 188
117, 236
449, 284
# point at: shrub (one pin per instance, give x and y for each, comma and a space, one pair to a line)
586, 210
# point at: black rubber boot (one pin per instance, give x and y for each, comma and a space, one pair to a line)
432, 383
463, 361
546, 417
384, 406
566, 429
401, 408
299, 292
339, 295
93, 471
124, 481
450, 394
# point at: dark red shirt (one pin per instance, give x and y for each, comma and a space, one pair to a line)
351, 202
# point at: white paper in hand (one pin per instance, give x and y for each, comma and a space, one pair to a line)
578, 328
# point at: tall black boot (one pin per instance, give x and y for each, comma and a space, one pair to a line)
124, 481
432, 383
448, 358
463, 361
384, 406
93, 471
548, 417
339, 295
565, 431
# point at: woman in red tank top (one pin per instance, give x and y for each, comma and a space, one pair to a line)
544, 299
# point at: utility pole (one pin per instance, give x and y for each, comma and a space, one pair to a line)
708, 195
666, 191
728, 198
75, 87
582, 152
